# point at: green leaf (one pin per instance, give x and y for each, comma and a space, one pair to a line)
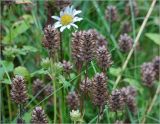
18, 28
8, 66
154, 37
134, 83
115, 71
20, 70
39, 72
63, 81
29, 49
6, 81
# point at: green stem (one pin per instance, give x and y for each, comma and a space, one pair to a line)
151, 104
9, 104
55, 95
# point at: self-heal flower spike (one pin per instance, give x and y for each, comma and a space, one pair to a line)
125, 43
39, 116
18, 90
103, 58
73, 100
156, 66
67, 18
148, 74
37, 88
99, 90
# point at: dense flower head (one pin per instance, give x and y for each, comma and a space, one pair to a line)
116, 100
99, 90
48, 92
73, 100
125, 43
51, 39
18, 90
88, 46
83, 46
37, 89
39, 116
103, 58
86, 85
60, 4
100, 39
148, 74
111, 13
129, 97
77, 47
126, 27
67, 18
156, 66
135, 8
67, 66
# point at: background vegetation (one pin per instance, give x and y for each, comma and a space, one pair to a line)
22, 53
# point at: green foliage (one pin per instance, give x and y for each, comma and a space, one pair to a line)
20, 70
23, 54
154, 37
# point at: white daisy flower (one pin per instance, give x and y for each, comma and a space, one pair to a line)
67, 18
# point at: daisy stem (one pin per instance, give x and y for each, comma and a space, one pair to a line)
61, 48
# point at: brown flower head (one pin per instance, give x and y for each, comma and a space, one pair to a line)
148, 74
73, 100
39, 116
135, 8
156, 66
125, 43
111, 13
51, 39
18, 90
103, 58
99, 90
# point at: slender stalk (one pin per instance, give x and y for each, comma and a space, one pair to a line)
1, 100
98, 119
135, 43
61, 48
54, 87
151, 105
9, 104
134, 33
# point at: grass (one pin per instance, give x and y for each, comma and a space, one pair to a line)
124, 71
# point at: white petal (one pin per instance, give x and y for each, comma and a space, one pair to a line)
61, 13
57, 24
77, 12
67, 9
74, 25
68, 26
62, 28
71, 10
76, 19
55, 17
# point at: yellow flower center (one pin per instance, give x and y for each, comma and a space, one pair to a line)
66, 19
